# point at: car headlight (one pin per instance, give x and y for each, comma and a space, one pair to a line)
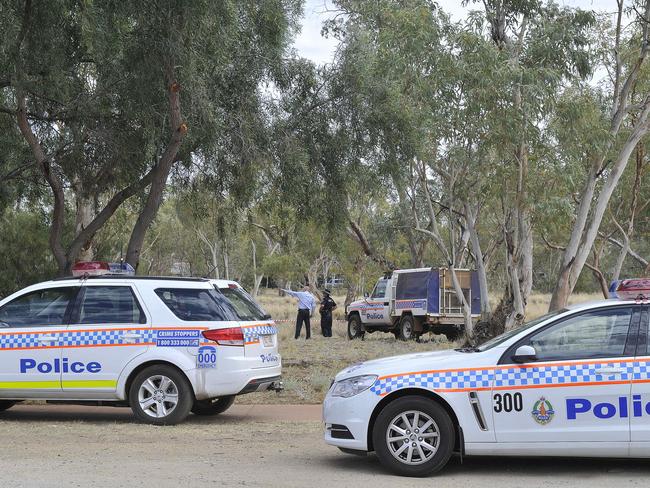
353, 386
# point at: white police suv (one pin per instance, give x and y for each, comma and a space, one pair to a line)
164, 346
575, 382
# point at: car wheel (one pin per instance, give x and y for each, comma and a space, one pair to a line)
406, 328
413, 436
355, 328
161, 395
6, 405
213, 406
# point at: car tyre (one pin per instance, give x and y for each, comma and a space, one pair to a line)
213, 406
429, 432
355, 327
407, 328
6, 405
161, 395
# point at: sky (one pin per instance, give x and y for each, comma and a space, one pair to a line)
311, 45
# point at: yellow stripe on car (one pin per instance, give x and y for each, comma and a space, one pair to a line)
56, 385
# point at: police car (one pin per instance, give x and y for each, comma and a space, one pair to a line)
163, 346
575, 382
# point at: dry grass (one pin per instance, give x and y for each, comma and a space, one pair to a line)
310, 366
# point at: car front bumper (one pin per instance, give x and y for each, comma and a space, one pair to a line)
347, 419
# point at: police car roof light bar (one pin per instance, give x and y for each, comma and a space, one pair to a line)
98, 268
634, 289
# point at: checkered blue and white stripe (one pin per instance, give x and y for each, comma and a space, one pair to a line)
543, 375
18, 341
640, 370
253, 333
99, 337
409, 304
435, 380
561, 374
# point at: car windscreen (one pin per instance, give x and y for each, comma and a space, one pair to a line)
380, 289
197, 304
244, 305
511, 333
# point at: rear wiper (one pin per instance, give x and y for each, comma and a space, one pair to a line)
468, 349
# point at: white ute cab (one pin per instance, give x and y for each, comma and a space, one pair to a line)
163, 346
575, 382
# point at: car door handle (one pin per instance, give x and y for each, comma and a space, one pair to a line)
610, 371
131, 335
47, 338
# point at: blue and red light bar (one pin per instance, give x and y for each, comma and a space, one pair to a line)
634, 289
98, 268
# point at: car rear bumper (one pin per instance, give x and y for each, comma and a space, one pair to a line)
263, 384
234, 376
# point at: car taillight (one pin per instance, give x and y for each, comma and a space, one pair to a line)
233, 336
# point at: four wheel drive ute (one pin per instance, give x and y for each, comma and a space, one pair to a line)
411, 302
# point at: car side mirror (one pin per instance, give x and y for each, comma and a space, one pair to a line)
524, 354
365, 295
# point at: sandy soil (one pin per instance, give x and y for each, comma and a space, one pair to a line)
254, 446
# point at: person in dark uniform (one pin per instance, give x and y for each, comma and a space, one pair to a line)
327, 305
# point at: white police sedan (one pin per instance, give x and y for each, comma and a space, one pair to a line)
575, 382
164, 346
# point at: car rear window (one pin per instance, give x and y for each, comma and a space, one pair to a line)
196, 304
244, 305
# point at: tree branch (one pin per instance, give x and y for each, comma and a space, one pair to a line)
367, 248
630, 251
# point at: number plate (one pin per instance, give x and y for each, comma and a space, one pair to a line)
267, 340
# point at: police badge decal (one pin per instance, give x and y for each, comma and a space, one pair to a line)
543, 411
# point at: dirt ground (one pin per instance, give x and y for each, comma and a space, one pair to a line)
253, 446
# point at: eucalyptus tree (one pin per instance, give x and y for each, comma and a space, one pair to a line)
624, 123
538, 49
468, 104
110, 96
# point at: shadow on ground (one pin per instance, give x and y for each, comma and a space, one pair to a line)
520, 467
113, 415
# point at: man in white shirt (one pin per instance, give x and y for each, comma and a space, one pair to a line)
306, 305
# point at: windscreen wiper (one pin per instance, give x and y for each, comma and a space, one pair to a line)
468, 349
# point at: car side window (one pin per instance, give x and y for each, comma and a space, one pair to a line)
594, 334
38, 308
109, 305
644, 333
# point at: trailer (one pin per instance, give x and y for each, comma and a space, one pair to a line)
412, 302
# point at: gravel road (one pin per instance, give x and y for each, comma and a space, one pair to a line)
250, 445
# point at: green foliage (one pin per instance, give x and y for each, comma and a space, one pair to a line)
284, 268
283, 154
24, 259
